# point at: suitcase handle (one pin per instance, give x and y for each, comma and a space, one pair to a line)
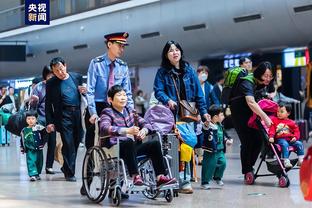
298, 114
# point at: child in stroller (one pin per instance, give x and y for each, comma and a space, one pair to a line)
285, 132
274, 166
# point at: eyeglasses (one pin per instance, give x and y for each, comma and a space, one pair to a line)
268, 77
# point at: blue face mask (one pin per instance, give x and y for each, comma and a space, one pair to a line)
203, 77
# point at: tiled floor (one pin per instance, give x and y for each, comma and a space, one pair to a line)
52, 191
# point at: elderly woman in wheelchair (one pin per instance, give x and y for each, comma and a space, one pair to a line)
124, 130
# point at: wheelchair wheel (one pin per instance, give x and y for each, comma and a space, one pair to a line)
147, 173
283, 182
169, 195
117, 197
95, 174
150, 193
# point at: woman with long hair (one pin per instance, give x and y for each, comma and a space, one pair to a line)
175, 70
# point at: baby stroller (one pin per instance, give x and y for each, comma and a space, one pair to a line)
105, 172
275, 166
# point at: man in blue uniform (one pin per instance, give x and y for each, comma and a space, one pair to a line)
104, 72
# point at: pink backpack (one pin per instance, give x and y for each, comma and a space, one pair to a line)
160, 118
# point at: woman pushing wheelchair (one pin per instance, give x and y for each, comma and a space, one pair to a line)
118, 121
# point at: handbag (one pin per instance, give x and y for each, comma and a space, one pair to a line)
306, 176
187, 110
16, 123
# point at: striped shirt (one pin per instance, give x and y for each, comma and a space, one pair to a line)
113, 124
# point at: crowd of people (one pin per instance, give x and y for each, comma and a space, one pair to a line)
57, 100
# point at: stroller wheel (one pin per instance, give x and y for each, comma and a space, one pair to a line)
283, 182
249, 178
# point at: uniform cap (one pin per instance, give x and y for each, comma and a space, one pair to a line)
120, 37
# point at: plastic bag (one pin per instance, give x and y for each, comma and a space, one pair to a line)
187, 132
185, 152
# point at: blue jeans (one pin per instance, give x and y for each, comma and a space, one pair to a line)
285, 144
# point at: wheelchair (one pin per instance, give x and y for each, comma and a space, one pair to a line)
104, 172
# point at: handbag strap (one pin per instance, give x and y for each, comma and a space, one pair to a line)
176, 88
187, 106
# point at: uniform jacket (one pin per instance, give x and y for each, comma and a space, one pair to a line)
97, 83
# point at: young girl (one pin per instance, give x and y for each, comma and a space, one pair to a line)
32, 143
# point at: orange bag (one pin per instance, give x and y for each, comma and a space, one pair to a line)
306, 176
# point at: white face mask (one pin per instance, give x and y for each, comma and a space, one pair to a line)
203, 77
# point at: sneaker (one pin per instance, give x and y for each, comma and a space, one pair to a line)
32, 178
164, 180
219, 182
49, 171
137, 181
287, 163
205, 186
38, 178
81, 145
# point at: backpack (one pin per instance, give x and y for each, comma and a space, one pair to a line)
160, 118
231, 79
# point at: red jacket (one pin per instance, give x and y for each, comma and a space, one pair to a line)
284, 128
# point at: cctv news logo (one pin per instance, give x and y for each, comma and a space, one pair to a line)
37, 12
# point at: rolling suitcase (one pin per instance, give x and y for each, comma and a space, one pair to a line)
170, 147
8, 137
302, 123
3, 136
5, 117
